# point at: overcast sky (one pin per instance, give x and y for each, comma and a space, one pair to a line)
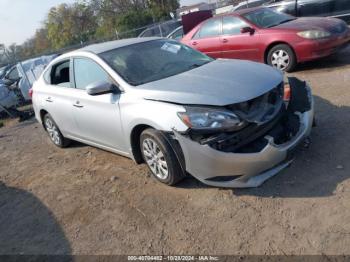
20, 18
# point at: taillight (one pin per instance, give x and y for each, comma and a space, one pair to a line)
286, 96
30, 92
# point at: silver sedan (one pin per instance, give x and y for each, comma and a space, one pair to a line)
228, 123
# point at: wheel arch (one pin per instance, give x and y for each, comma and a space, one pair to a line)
135, 145
135, 141
43, 112
273, 44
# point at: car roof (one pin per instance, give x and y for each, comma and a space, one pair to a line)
107, 46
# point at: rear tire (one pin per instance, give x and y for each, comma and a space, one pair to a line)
54, 132
160, 157
282, 57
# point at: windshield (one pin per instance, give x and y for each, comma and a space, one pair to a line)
266, 18
153, 60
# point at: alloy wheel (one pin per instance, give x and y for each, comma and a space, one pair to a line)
53, 131
280, 59
155, 158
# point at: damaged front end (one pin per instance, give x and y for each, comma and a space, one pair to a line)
255, 148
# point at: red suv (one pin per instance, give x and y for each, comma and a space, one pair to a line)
265, 35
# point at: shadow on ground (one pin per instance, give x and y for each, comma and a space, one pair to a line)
318, 170
27, 226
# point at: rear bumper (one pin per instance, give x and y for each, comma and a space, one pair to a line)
311, 49
247, 169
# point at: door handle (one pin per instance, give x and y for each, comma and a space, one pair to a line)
194, 43
77, 104
224, 40
49, 99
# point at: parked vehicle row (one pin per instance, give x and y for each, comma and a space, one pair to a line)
268, 36
303, 8
306, 8
3, 71
249, 4
226, 122
18, 79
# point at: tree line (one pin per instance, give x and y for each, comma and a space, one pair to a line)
89, 20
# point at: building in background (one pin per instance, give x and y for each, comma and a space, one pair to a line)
184, 10
216, 6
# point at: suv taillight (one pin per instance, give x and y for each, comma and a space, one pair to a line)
30, 93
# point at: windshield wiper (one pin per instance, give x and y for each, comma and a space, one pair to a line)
194, 66
197, 65
282, 22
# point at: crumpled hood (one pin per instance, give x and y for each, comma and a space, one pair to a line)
219, 83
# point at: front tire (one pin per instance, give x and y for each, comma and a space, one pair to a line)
160, 157
282, 57
54, 132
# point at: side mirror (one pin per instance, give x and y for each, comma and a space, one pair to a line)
247, 29
100, 88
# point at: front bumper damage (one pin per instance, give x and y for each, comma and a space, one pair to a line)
239, 169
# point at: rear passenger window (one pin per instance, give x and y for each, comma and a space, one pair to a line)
87, 72
60, 74
210, 29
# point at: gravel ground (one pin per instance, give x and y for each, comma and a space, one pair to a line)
83, 200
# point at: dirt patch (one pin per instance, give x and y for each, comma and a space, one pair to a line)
82, 200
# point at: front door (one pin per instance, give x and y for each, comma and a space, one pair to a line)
236, 44
57, 97
207, 39
97, 117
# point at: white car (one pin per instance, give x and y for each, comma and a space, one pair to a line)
158, 101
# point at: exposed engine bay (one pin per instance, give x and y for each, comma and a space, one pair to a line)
267, 115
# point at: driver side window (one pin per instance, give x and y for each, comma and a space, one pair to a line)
232, 25
211, 28
87, 72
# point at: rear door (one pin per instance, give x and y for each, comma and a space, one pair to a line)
56, 96
236, 44
97, 117
207, 38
